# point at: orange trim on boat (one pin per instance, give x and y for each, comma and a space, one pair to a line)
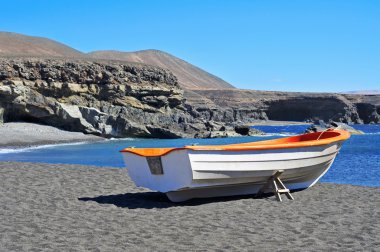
305, 140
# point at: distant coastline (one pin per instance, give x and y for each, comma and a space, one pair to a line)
148, 94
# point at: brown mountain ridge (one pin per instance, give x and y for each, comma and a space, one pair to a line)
189, 76
14, 44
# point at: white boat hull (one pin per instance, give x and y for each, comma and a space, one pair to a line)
188, 173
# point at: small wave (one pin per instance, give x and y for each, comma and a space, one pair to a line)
7, 151
121, 139
31, 148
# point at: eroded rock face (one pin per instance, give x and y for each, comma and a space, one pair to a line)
101, 98
246, 106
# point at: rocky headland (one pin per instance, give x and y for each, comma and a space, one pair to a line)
109, 99
123, 99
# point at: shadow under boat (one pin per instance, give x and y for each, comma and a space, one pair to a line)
150, 200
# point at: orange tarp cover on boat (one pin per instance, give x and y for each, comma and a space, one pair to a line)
305, 140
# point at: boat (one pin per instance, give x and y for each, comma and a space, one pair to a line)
198, 171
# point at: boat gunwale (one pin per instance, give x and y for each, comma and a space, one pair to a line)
273, 144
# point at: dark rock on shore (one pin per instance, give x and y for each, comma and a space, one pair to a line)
320, 125
246, 130
218, 131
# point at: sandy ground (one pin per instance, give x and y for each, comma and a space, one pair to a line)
77, 208
22, 134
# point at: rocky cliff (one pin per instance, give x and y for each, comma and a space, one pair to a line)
120, 99
101, 98
246, 106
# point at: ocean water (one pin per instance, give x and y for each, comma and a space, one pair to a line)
358, 162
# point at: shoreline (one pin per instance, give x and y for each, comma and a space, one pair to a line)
46, 144
55, 206
22, 148
23, 135
20, 135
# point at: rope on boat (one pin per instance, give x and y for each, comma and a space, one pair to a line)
328, 129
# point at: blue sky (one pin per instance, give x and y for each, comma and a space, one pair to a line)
266, 45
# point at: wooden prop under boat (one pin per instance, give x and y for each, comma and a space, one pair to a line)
235, 169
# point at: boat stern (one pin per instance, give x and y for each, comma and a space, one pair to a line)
161, 173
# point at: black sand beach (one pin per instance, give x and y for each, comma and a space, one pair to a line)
78, 208
22, 134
